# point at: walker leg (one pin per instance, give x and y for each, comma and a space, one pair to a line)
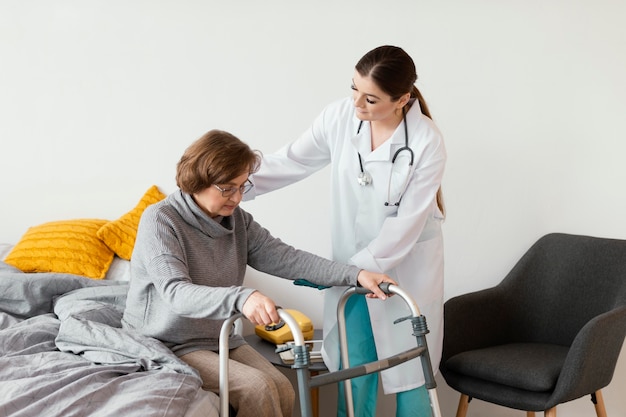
304, 392
434, 402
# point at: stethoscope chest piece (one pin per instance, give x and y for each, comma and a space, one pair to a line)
364, 178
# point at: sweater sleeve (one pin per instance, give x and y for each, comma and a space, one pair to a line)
192, 300
271, 255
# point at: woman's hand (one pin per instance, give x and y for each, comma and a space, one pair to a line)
371, 280
260, 309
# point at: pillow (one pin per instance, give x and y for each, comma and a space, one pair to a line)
5, 248
66, 246
119, 270
119, 235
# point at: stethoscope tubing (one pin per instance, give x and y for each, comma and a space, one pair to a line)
365, 179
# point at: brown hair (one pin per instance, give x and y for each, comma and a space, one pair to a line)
393, 71
215, 158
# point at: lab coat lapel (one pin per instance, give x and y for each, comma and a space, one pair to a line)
362, 144
361, 140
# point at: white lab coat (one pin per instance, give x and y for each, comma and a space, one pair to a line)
404, 242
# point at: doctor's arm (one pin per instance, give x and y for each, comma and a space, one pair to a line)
293, 162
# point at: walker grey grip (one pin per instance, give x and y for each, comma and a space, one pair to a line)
383, 286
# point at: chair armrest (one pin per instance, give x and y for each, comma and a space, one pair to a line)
590, 363
475, 320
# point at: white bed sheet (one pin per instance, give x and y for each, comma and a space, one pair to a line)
205, 404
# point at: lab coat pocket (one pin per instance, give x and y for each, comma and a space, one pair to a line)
421, 272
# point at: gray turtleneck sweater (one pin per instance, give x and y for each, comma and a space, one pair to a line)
187, 271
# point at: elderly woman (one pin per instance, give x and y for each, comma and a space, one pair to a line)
188, 267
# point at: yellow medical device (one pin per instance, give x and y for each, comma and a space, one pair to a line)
279, 333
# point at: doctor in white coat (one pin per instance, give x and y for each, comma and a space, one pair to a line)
388, 160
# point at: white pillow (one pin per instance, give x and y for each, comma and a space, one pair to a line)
119, 270
5, 248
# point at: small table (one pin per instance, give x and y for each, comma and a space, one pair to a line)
268, 350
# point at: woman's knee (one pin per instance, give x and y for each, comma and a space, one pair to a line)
268, 395
260, 381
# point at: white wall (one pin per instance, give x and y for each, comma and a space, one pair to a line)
98, 100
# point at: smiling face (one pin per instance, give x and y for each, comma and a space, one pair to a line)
211, 201
371, 103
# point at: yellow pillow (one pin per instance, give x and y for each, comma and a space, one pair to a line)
119, 235
66, 246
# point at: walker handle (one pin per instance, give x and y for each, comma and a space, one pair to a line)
384, 286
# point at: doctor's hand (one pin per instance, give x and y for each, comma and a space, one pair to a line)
260, 309
371, 280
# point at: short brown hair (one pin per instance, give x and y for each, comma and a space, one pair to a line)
215, 158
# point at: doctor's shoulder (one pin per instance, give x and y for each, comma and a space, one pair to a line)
427, 130
337, 109
338, 115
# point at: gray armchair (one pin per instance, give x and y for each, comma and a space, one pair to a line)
549, 333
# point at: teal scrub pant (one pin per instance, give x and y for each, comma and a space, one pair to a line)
361, 349
413, 403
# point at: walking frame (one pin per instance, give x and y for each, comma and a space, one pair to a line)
302, 360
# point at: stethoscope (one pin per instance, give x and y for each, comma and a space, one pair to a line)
364, 178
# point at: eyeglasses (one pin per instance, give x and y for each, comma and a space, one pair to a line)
229, 192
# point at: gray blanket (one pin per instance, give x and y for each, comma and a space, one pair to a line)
63, 353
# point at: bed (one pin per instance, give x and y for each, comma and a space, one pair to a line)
63, 351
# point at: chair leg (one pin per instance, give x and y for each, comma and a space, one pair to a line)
463, 405
598, 402
596, 398
551, 412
